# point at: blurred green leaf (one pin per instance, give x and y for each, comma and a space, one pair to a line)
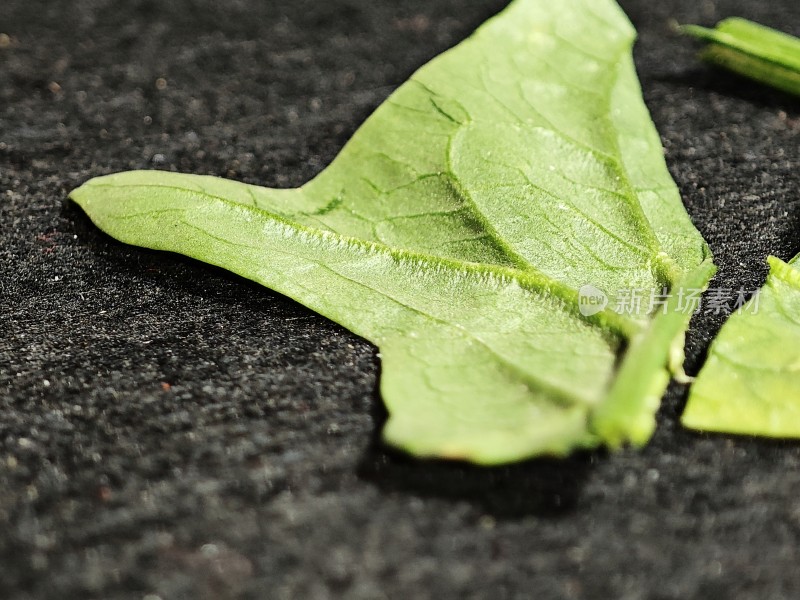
752, 50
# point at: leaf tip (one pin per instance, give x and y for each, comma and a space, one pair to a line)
674, 26
696, 31
80, 195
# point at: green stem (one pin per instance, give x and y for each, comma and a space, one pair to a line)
628, 413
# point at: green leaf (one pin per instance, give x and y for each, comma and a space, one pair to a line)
752, 50
750, 383
455, 231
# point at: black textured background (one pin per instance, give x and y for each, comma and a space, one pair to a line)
168, 429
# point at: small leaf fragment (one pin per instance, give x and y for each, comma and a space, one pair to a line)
750, 383
752, 50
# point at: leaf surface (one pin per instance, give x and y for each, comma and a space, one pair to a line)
755, 51
750, 383
455, 231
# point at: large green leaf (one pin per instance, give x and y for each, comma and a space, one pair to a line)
750, 383
455, 231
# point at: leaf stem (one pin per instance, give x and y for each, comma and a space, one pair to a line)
628, 413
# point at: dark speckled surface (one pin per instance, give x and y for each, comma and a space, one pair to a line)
167, 429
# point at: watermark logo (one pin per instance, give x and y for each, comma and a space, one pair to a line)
689, 301
591, 300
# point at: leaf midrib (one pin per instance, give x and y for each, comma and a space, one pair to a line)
532, 280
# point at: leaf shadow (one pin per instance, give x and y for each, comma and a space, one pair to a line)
726, 83
545, 487
542, 487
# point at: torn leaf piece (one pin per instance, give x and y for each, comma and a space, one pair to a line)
455, 231
750, 383
755, 51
